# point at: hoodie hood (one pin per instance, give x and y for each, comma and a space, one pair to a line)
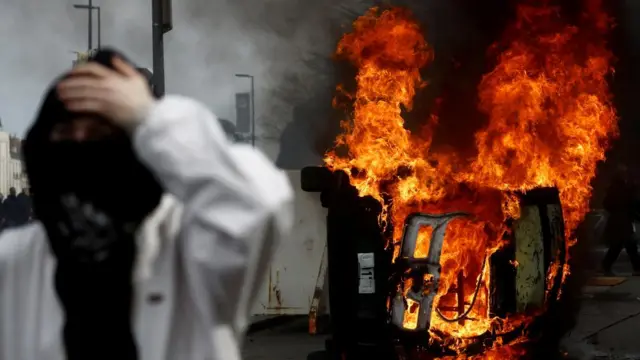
101, 178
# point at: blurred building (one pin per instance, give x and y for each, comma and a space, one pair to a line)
12, 169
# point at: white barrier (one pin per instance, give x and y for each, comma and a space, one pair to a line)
288, 287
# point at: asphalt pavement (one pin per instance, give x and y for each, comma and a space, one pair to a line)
287, 341
609, 321
608, 328
622, 266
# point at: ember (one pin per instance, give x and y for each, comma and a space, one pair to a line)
550, 120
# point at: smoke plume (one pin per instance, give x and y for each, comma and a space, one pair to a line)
211, 41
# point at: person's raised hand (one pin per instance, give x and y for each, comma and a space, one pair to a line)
122, 95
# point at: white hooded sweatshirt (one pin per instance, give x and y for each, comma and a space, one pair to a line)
202, 252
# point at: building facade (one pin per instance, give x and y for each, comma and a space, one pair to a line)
12, 169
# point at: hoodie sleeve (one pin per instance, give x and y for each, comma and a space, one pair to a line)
237, 204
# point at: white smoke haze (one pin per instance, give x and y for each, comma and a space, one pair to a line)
36, 38
274, 40
211, 41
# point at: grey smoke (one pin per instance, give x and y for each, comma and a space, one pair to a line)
211, 41
202, 54
285, 44
308, 88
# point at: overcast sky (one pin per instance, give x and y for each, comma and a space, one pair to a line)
211, 40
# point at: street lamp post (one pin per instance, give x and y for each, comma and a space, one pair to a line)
253, 108
99, 28
90, 13
90, 8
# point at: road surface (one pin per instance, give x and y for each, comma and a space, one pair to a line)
608, 328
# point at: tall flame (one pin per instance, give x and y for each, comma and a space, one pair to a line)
550, 120
550, 115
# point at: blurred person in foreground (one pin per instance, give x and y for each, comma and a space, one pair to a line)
620, 202
153, 230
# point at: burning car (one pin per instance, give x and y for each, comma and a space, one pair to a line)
463, 257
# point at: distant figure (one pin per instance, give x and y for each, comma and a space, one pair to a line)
12, 209
24, 199
230, 130
2, 219
620, 204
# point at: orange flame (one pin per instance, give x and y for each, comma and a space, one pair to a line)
550, 120
550, 115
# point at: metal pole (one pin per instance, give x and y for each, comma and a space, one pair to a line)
99, 29
253, 115
158, 47
90, 24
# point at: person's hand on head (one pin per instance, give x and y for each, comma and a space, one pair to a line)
122, 95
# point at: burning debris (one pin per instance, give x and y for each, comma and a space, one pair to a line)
456, 228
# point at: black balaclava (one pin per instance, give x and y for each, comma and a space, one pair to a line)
91, 197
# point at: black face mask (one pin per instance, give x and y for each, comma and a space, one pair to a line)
89, 194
